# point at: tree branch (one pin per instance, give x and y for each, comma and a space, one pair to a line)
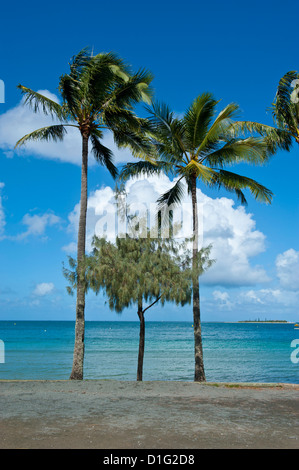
155, 301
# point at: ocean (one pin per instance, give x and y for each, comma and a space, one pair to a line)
233, 352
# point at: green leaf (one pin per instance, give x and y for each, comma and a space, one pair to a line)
274, 138
103, 155
55, 133
219, 127
251, 150
172, 196
197, 119
39, 102
236, 183
201, 171
140, 168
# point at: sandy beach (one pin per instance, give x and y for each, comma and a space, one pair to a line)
104, 414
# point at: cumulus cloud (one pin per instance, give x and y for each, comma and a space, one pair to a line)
223, 299
36, 225
44, 288
280, 298
21, 120
272, 296
100, 203
230, 230
235, 241
249, 304
287, 266
70, 248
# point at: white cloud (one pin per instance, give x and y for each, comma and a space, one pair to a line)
21, 120
223, 299
272, 296
249, 304
280, 299
231, 230
99, 202
71, 248
287, 266
253, 296
36, 225
43, 288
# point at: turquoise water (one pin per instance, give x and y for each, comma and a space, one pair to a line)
233, 352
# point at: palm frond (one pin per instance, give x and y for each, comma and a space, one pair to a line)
138, 144
201, 171
285, 108
114, 117
161, 118
104, 74
172, 196
90, 81
198, 118
38, 101
275, 138
141, 168
251, 150
134, 89
219, 127
236, 183
168, 132
70, 91
79, 61
103, 155
55, 133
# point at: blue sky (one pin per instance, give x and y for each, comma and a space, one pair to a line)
235, 50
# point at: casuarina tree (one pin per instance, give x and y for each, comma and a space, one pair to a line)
141, 272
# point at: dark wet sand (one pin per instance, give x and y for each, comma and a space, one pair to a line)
104, 414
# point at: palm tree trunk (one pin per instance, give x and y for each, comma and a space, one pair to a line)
199, 374
77, 371
141, 341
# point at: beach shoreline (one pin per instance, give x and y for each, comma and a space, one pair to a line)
109, 414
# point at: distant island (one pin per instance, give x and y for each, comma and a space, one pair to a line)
263, 321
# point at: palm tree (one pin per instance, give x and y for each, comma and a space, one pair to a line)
285, 108
285, 112
98, 93
196, 148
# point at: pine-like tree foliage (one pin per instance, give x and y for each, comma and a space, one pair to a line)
140, 269
140, 272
